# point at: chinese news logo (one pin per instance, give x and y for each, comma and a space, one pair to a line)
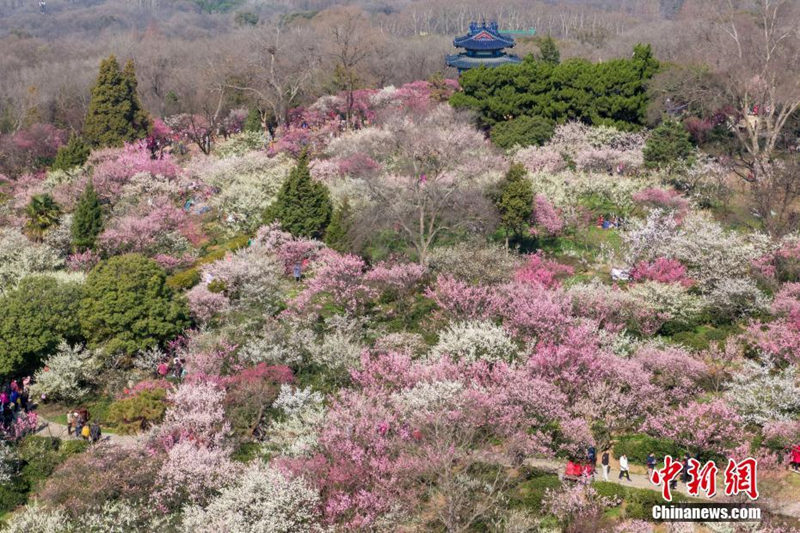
739, 477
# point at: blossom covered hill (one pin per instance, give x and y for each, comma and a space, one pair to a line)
396, 373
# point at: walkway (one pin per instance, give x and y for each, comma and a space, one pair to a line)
53, 429
638, 481
641, 481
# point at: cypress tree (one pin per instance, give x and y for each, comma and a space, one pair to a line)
303, 206
71, 155
87, 221
139, 118
115, 114
514, 200
253, 121
548, 51
668, 145
338, 229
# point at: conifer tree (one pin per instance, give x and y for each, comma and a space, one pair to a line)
139, 118
115, 114
338, 229
253, 121
303, 206
514, 200
87, 221
548, 51
71, 155
667, 146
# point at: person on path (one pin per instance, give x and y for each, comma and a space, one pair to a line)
623, 467
78, 424
651, 464
23, 399
796, 457
297, 271
70, 422
94, 432
685, 470
604, 463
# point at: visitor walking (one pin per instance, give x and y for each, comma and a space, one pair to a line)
94, 432
685, 470
796, 457
297, 271
623, 467
651, 464
78, 423
605, 465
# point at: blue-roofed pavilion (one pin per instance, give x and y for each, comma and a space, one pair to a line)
483, 45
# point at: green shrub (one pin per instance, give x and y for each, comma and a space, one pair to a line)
33, 320
703, 336
217, 286
137, 413
71, 447
610, 93
522, 131
184, 280
668, 145
71, 155
39, 458
13, 494
529, 494
636, 447
128, 307
638, 503
608, 489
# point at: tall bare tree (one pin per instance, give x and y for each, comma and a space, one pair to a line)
282, 62
757, 54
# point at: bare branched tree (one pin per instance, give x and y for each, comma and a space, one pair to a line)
282, 63
757, 55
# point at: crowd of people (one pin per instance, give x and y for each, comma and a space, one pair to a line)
14, 398
576, 468
175, 368
78, 425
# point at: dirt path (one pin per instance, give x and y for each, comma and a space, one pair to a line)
54, 429
639, 481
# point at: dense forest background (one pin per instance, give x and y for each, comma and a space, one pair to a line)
188, 53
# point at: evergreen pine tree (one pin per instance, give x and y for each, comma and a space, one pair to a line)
549, 51
87, 221
667, 146
71, 155
253, 121
139, 118
115, 114
336, 236
514, 200
303, 206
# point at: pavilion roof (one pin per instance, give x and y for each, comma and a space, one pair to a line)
484, 37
